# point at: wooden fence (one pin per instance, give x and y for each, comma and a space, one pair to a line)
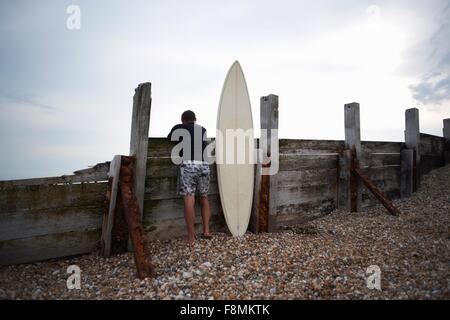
51, 217
62, 216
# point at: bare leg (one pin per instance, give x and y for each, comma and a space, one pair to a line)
206, 214
189, 217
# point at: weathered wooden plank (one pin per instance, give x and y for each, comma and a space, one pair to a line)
379, 159
132, 215
384, 173
167, 188
288, 146
111, 201
296, 194
176, 228
306, 209
387, 179
352, 128
159, 210
164, 167
412, 130
412, 141
162, 147
263, 217
31, 223
53, 196
431, 162
369, 200
368, 147
307, 178
140, 121
431, 145
375, 190
353, 143
98, 173
50, 246
292, 162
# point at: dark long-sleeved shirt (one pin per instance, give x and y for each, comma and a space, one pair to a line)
197, 135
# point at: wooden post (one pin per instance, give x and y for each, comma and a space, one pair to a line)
412, 141
133, 218
122, 225
447, 140
353, 143
407, 168
263, 217
110, 207
140, 122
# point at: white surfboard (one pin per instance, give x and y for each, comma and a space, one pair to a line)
235, 179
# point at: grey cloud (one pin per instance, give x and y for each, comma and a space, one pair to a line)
26, 100
434, 87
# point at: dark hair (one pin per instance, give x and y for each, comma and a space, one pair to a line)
188, 116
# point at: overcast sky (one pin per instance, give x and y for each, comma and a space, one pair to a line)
66, 95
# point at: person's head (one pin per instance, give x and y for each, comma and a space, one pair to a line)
188, 117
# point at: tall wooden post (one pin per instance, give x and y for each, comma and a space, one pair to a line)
263, 217
352, 198
140, 122
412, 141
447, 140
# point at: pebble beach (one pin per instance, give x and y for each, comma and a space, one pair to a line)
326, 258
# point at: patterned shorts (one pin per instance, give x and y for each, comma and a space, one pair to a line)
194, 178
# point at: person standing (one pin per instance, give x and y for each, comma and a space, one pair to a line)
194, 172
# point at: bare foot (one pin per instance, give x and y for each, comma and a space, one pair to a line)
190, 241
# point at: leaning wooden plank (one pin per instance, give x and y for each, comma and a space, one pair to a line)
51, 246
132, 214
376, 192
110, 208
